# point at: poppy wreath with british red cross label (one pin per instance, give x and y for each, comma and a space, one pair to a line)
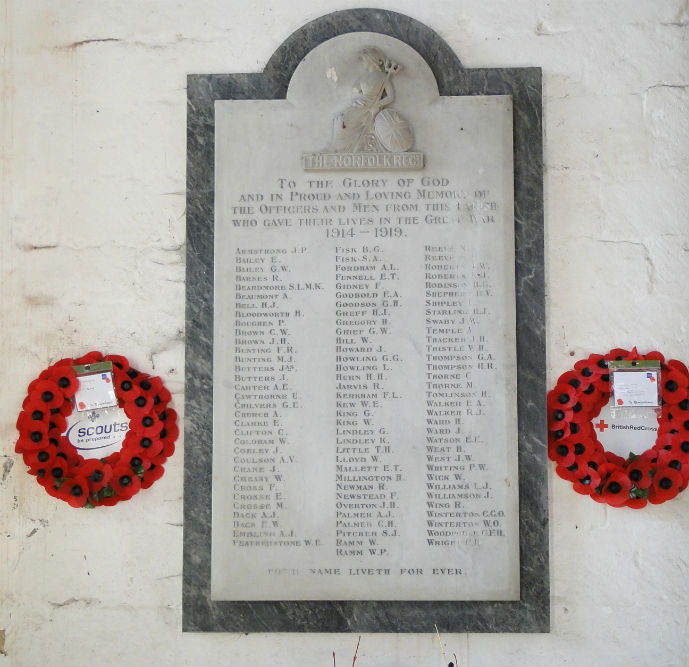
654, 476
58, 466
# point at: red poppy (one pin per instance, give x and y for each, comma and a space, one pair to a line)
68, 452
680, 448
125, 389
616, 489
592, 400
58, 470
587, 483
170, 432
161, 396
119, 362
580, 413
48, 483
67, 361
562, 452
32, 413
33, 436
614, 459
654, 355
96, 473
40, 472
57, 425
574, 379
638, 473
149, 425
636, 503
587, 449
65, 377
618, 354
677, 365
167, 451
669, 421
152, 475
92, 357
152, 446
667, 483
113, 459
590, 368
571, 473
559, 418
75, 491
134, 458
679, 410
138, 406
40, 458
674, 386
593, 459
676, 459
48, 393
67, 408
125, 482
564, 396
602, 383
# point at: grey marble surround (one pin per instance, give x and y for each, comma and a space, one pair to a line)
532, 612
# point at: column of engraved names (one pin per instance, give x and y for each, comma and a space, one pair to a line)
367, 474
264, 362
456, 355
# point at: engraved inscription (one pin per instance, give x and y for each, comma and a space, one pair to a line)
364, 371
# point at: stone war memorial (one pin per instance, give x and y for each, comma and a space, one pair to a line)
336, 336
365, 348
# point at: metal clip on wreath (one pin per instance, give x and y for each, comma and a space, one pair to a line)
656, 475
59, 467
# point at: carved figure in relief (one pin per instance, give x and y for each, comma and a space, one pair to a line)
367, 125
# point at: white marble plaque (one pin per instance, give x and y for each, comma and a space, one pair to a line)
364, 392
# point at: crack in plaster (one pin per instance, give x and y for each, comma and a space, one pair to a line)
682, 19
681, 86
87, 602
84, 42
30, 247
544, 29
100, 40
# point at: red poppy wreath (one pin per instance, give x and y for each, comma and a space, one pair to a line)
59, 467
656, 475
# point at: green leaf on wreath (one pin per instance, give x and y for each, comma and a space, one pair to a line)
633, 457
89, 504
58, 482
139, 470
108, 492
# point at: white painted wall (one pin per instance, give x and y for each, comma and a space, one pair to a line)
92, 256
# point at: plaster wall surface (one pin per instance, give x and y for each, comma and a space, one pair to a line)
92, 257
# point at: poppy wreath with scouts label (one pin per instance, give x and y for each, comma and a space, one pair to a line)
656, 475
58, 466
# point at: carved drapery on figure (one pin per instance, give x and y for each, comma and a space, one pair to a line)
368, 131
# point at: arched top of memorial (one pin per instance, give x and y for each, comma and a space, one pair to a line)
330, 73
440, 59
